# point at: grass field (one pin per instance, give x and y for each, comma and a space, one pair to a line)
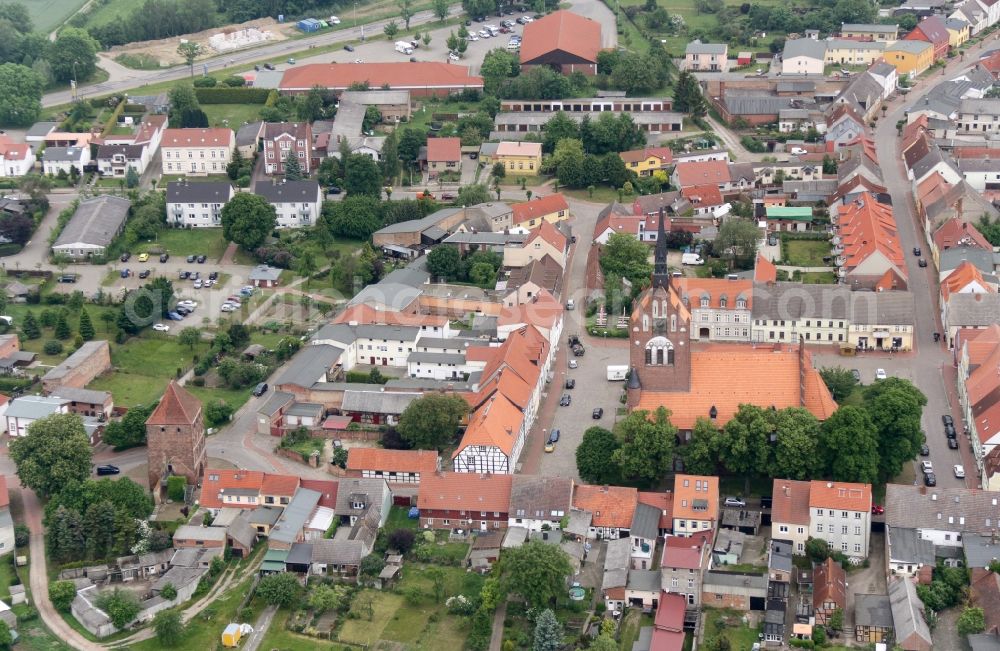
818, 278
231, 115
694, 21
49, 14
729, 624
602, 194
806, 253
143, 366
183, 242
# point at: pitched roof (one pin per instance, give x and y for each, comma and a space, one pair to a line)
664, 502
956, 232
829, 584
920, 507
198, 138
562, 31
539, 207
495, 424
400, 75
459, 491
908, 614
96, 221
548, 232
217, 481
986, 595
664, 154
518, 148
932, 28
692, 290
868, 227
279, 484
685, 553
668, 626
764, 271
299, 130
611, 506
706, 194
176, 407
804, 47
961, 277
790, 501
539, 496
701, 172
444, 150
542, 312
422, 461
645, 521
304, 191
841, 496
208, 192
696, 497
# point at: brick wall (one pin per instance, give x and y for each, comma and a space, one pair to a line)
83, 369
180, 448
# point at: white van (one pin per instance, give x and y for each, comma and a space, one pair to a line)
692, 259
404, 47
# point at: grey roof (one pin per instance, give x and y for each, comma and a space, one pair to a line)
194, 532
980, 106
295, 515
305, 409
337, 552
907, 611
289, 192
82, 354
270, 79
248, 134
485, 238
790, 301
978, 164
265, 272
616, 578
804, 47
984, 642
515, 537
872, 610
242, 531
129, 151
179, 577
435, 358
780, 555
194, 556
736, 580
923, 166
869, 27
58, 154
299, 554
41, 129
96, 221
980, 550
760, 103
644, 580
225, 516
275, 401
377, 97
936, 508
912, 47
537, 496
981, 259
428, 384
80, 395
697, 47
33, 407
309, 365
207, 192
395, 291
799, 86
377, 402
419, 225
264, 515
645, 522
905, 544
973, 310
374, 491
579, 522
618, 552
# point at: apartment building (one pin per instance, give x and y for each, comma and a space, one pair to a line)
197, 152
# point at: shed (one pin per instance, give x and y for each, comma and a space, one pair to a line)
744, 58
309, 25
264, 276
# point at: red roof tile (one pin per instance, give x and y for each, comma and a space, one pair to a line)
668, 627
703, 195
765, 271
548, 232
664, 502
840, 495
685, 553
829, 584
611, 506
964, 276
702, 172
497, 422
378, 459
443, 150
216, 481
561, 31
279, 485
688, 489
327, 488
198, 138
176, 407
543, 311
868, 227
664, 154
399, 75
694, 289
790, 501
955, 232
459, 491
538, 208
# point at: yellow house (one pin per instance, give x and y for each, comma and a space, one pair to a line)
519, 158
958, 32
844, 51
552, 208
910, 57
646, 161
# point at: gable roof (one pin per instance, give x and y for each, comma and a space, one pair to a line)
495, 424
961, 277
685, 553
955, 232
208, 192
764, 271
664, 154
696, 497
790, 501
304, 191
548, 232
459, 491
932, 28
829, 584
444, 150
539, 207
701, 172
538, 496
611, 506
176, 407
216, 482
198, 138
908, 614
562, 31
868, 227
518, 148
379, 459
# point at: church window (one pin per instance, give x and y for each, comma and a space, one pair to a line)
656, 309
673, 323
645, 323
659, 351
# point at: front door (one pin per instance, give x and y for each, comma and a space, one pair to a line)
482, 525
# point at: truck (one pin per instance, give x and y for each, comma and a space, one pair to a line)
617, 373
692, 258
404, 47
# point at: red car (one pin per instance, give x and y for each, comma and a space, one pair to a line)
877, 510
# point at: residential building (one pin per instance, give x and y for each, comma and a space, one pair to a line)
461, 501
668, 625
706, 57
969, 312
644, 532
932, 29
840, 514
197, 152
394, 466
611, 508
790, 513
545, 240
527, 282
444, 155
872, 255
175, 439
941, 515
197, 205
872, 619
420, 78
979, 116
296, 203
850, 52
959, 31
711, 172
283, 140
188, 536
829, 590
803, 56
519, 158
64, 159
23, 411
116, 160
92, 228
562, 40
696, 504
77, 371
551, 208
911, 631
870, 32
907, 554
683, 565
910, 58
720, 307
647, 160
539, 502
86, 402
6, 522
16, 159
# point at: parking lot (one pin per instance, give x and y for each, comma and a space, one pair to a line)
592, 390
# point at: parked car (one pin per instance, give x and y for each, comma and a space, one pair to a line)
930, 479
598, 413
201, 259
125, 273
174, 316
260, 389
143, 257
926, 466
195, 275
334, 190
161, 327
925, 451
268, 66
145, 273
291, 61
125, 256
213, 275
949, 431
735, 501
878, 509
164, 257
565, 400
916, 251
952, 444
227, 307
857, 374
447, 196
554, 436
880, 374
959, 471
108, 470
571, 383
579, 350
946, 419
572, 363
922, 262
197, 284
191, 258
67, 278
349, 48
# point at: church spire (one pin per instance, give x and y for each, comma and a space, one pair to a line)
661, 276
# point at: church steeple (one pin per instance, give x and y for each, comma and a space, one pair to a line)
661, 276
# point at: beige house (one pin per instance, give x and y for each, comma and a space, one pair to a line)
706, 57
546, 240
444, 155
197, 152
790, 513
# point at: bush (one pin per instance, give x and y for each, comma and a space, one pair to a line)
61, 594
21, 535
205, 82
175, 487
52, 347
168, 592
231, 95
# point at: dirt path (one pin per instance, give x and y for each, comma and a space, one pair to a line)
39, 579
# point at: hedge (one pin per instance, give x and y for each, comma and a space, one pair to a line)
232, 95
9, 248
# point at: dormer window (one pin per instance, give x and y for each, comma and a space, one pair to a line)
704, 301
741, 303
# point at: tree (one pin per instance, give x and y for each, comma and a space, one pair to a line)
305, 265
593, 454
451, 42
558, 128
626, 257
797, 432
310, 107
54, 452
498, 170
738, 237
21, 101
444, 262
74, 52
86, 327
406, 11
635, 74
701, 453
356, 217
410, 142
604, 642
62, 330
390, 157
470, 195
99, 523
371, 565
189, 51
217, 412
839, 381
441, 9
688, 97
362, 176
169, 628
391, 29
247, 220
6, 637
647, 443
189, 337
169, 592
895, 406
498, 65
293, 171
744, 445
848, 447
279, 590
536, 571
30, 329
548, 632
324, 597
430, 422
971, 621
401, 540
61, 594
122, 606
130, 430
182, 97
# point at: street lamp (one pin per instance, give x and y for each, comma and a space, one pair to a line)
73, 84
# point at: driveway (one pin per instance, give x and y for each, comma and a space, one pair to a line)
866, 580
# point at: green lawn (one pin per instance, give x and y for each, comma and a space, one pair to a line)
49, 14
398, 520
806, 253
144, 365
231, 115
205, 629
602, 194
187, 241
632, 622
279, 638
7, 576
818, 278
695, 21
729, 623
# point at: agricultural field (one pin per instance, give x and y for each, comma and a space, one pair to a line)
49, 14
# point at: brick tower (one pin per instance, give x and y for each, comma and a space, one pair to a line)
175, 438
660, 324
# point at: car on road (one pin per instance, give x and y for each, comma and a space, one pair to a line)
67, 278
227, 307
125, 256
554, 436
174, 316
453, 56
424, 195
571, 383
930, 479
856, 374
735, 501
572, 363
164, 257
161, 327
260, 389
108, 470
145, 273
269, 66
922, 262
565, 400
447, 196
550, 447
143, 257
959, 471
925, 451
880, 374
349, 48
946, 419
197, 284
878, 509
927, 466
473, 37
291, 61
598, 413
949, 431
201, 259
125, 273
917, 252
579, 350
952, 444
